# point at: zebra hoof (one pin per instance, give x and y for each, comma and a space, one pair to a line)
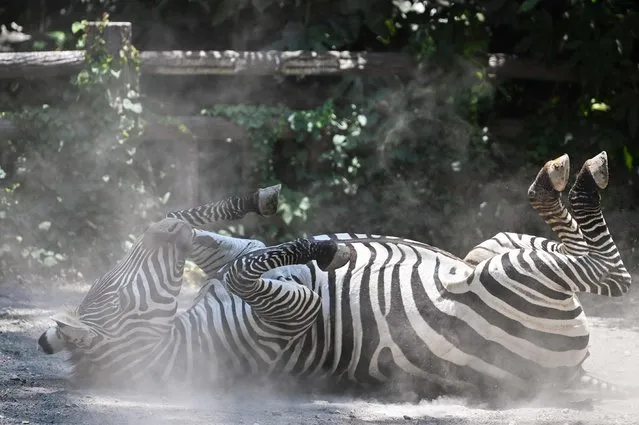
267, 200
558, 171
550, 180
598, 168
340, 258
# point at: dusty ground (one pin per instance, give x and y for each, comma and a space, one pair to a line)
33, 389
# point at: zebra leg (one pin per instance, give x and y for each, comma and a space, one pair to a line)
585, 201
545, 197
277, 301
262, 201
210, 250
589, 386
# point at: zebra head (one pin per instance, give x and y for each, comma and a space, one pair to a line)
130, 308
128, 311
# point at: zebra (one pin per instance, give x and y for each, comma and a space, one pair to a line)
395, 311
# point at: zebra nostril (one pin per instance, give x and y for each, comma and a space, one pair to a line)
43, 343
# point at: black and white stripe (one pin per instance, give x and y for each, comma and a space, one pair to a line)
132, 307
385, 310
402, 309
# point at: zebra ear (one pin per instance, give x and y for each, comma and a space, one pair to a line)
71, 326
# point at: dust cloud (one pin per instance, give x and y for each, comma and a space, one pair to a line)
33, 386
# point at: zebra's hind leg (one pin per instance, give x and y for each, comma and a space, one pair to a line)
585, 201
598, 388
545, 197
584, 391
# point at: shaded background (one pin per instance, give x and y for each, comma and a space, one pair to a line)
444, 157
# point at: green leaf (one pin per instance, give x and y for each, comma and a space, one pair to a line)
58, 36
39, 45
78, 26
627, 158
527, 6
133, 107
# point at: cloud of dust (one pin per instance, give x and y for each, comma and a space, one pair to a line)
417, 114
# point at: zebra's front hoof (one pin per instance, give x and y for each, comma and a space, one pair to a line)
267, 200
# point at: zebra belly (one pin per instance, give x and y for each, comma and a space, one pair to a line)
402, 310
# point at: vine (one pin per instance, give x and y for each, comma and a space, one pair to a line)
72, 159
316, 145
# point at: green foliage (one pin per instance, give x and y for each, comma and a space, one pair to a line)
419, 149
76, 163
310, 149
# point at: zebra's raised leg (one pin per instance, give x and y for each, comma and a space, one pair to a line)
544, 195
284, 303
585, 201
211, 251
262, 201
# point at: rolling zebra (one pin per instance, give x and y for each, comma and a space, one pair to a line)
383, 311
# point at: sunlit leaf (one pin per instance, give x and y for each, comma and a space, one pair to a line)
528, 5
628, 159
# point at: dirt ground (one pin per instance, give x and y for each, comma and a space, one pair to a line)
33, 388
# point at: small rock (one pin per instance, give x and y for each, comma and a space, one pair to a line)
25, 422
408, 418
